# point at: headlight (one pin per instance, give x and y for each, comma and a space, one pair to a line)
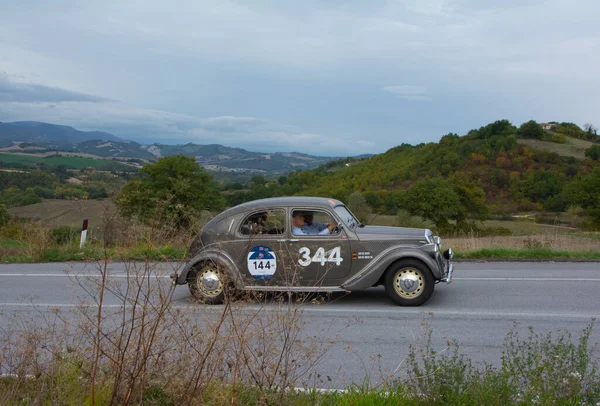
448, 254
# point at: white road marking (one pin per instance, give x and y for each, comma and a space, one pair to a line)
500, 279
78, 275
352, 310
540, 279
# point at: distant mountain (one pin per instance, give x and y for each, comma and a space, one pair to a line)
115, 149
34, 137
47, 134
218, 158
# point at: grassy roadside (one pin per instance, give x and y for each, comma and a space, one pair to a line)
21, 253
530, 253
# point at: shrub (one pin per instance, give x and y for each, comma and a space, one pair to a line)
593, 152
558, 138
64, 235
12, 231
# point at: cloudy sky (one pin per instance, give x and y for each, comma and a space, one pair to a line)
326, 77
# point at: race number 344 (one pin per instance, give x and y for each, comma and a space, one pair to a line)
321, 256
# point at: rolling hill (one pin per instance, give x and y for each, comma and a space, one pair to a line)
514, 173
47, 134
42, 139
220, 158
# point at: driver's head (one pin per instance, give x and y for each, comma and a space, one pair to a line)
308, 217
297, 219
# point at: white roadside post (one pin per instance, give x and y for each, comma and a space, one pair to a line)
83, 233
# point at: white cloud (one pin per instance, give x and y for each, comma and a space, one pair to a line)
320, 66
20, 91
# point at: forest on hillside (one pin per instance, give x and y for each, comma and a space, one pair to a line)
461, 178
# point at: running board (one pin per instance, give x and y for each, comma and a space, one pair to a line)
296, 288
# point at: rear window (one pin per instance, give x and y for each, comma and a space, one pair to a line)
264, 222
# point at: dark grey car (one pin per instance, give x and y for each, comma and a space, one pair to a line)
311, 244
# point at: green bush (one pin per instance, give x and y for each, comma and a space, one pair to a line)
593, 152
65, 235
558, 138
12, 231
548, 369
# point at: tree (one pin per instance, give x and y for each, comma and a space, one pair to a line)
531, 129
591, 131
472, 199
174, 189
585, 192
440, 200
593, 152
434, 200
358, 205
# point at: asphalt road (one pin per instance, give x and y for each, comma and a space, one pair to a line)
367, 335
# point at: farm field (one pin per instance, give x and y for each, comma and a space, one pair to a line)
55, 213
574, 148
68, 161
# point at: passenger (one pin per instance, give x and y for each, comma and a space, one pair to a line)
310, 225
300, 227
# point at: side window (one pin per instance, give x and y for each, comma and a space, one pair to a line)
264, 222
313, 222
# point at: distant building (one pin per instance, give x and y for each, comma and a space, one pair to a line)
548, 126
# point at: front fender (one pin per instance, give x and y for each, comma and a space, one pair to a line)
214, 255
371, 273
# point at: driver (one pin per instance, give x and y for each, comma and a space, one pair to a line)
301, 227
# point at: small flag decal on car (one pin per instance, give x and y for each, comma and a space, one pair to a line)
361, 255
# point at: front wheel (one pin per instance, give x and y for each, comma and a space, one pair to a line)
208, 283
409, 283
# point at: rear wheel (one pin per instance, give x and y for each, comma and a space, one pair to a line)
208, 283
409, 283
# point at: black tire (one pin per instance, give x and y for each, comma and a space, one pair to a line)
415, 272
204, 292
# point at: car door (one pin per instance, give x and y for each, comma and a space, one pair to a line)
319, 259
260, 243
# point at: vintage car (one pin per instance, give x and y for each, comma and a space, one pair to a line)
311, 244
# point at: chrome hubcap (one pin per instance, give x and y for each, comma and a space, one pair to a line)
209, 282
409, 283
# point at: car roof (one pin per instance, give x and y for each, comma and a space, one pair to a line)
282, 202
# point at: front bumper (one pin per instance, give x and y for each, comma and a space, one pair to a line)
449, 266
448, 275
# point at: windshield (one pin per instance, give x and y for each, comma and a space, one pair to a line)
346, 216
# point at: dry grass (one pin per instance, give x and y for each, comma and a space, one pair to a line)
574, 147
557, 242
54, 213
